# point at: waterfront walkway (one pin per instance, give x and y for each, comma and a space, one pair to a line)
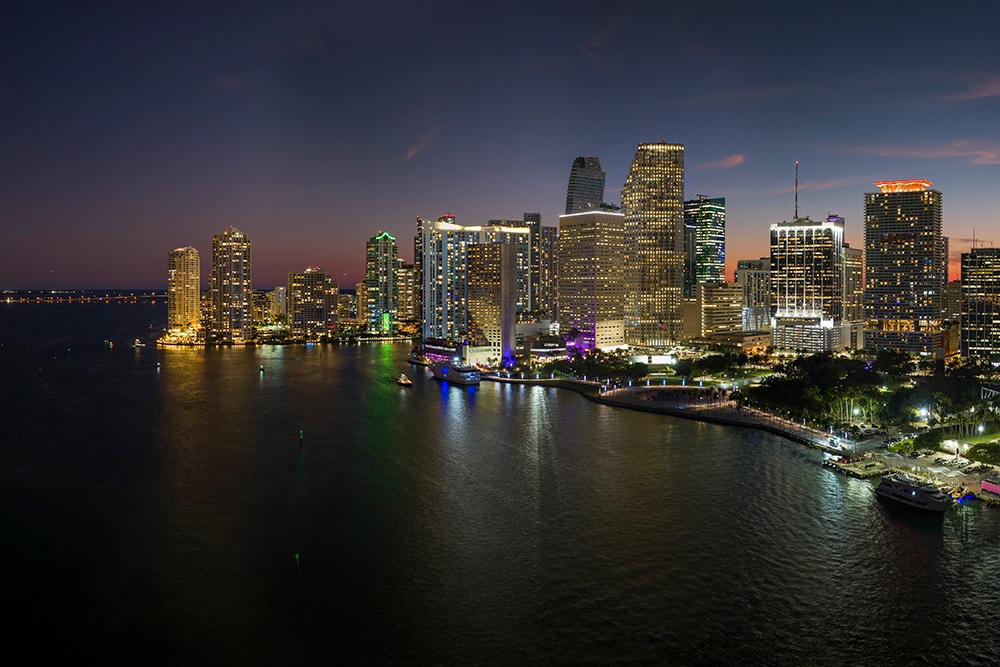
698, 403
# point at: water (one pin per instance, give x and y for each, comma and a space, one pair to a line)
154, 501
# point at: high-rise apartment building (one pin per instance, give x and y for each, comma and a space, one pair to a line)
442, 245
591, 277
533, 221
183, 290
980, 310
905, 266
380, 281
586, 185
519, 234
406, 292
230, 287
754, 279
704, 242
653, 206
312, 303
807, 284
491, 292
852, 309
548, 273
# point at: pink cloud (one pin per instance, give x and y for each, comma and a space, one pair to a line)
843, 182
422, 143
979, 88
976, 151
724, 163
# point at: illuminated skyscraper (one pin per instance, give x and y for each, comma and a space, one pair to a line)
905, 267
491, 290
230, 287
380, 278
183, 289
704, 242
653, 205
519, 234
442, 245
586, 185
312, 303
980, 309
548, 273
406, 292
591, 277
854, 287
533, 221
807, 284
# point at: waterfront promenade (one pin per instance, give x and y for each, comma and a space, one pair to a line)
697, 403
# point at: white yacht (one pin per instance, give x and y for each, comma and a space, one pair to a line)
455, 373
897, 486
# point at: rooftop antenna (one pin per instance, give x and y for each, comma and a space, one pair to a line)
796, 190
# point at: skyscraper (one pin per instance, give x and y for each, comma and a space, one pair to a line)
754, 279
807, 284
491, 279
704, 241
905, 266
312, 303
519, 234
183, 289
586, 185
442, 245
380, 280
653, 205
854, 287
533, 221
548, 273
591, 273
230, 287
980, 308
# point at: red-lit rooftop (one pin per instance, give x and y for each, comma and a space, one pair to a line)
912, 185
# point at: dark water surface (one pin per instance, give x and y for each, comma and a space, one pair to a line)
154, 500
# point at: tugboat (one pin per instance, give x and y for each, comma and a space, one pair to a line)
403, 380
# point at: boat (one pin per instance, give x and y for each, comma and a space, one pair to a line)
455, 373
403, 380
897, 486
138, 343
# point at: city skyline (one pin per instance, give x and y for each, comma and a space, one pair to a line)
140, 129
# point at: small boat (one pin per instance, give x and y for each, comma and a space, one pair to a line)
138, 343
455, 373
403, 380
897, 486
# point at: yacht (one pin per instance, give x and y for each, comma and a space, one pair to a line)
455, 373
897, 486
403, 380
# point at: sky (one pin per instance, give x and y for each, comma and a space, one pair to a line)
130, 129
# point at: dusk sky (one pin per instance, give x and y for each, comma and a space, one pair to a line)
129, 129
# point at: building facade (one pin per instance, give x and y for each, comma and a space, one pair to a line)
230, 288
980, 307
704, 242
807, 284
586, 185
754, 278
491, 293
548, 273
591, 277
312, 303
716, 308
905, 267
653, 206
183, 290
381, 262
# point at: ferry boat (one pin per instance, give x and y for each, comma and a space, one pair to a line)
897, 486
403, 380
455, 373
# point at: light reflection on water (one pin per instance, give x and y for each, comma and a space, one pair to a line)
441, 524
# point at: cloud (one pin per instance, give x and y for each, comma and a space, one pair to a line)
227, 81
977, 152
422, 143
724, 163
980, 87
842, 182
